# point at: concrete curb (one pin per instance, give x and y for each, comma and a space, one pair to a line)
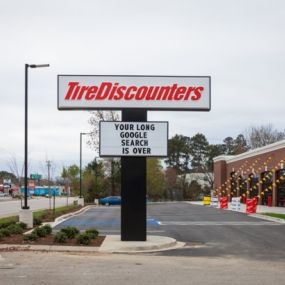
267, 218
111, 244
69, 215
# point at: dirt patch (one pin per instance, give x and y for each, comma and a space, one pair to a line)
49, 240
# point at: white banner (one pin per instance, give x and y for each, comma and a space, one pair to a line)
94, 92
133, 139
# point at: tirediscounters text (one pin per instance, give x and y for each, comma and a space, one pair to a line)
133, 139
121, 92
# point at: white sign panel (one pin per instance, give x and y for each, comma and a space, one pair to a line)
133, 139
214, 202
235, 204
78, 92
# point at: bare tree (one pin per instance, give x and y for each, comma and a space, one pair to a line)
16, 168
96, 117
263, 135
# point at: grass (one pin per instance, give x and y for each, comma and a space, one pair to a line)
275, 215
45, 215
5, 222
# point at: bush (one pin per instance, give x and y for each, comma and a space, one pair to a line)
1, 236
60, 237
15, 229
22, 225
48, 229
40, 232
71, 232
5, 222
84, 239
5, 232
37, 221
31, 237
92, 232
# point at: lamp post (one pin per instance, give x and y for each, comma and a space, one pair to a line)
80, 165
25, 207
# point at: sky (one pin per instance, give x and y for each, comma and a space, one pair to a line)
240, 44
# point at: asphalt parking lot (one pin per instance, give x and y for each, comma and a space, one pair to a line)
206, 231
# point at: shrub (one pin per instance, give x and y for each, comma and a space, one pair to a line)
5, 222
22, 225
40, 231
71, 232
60, 237
31, 237
37, 221
92, 232
5, 232
84, 239
15, 229
48, 229
1, 236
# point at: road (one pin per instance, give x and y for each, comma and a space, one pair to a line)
12, 207
207, 231
222, 247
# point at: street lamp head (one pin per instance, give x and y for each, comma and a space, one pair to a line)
85, 133
38, 65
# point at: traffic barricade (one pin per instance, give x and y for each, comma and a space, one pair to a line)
206, 200
214, 202
251, 205
223, 202
235, 204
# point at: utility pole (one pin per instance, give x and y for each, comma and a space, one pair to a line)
49, 194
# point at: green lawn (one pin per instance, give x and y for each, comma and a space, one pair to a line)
275, 215
45, 215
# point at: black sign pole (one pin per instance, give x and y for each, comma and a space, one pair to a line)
133, 191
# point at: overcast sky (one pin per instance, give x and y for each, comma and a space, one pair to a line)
240, 44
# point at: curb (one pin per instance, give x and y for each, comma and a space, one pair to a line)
108, 246
268, 218
69, 215
113, 244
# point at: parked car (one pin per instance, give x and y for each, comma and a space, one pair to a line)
111, 200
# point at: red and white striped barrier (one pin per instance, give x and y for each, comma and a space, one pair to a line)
223, 202
251, 205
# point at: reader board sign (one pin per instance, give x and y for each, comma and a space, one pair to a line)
95, 92
147, 139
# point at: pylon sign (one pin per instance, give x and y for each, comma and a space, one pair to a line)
79, 92
134, 138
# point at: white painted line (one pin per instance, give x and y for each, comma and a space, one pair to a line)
215, 223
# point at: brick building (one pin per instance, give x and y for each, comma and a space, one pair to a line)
257, 173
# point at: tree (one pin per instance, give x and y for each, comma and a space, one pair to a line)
96, 117
179, 154
240, 145
72, 173
263, 135
199, 146
8, 175
193, 190
171, 182
94, 120
155, 179
229, 145
235, 146
94, 181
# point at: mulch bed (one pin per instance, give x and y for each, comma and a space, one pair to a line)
49, 240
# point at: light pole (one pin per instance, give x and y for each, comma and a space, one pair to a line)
26, 130
80, 165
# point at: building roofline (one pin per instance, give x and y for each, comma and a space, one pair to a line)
251, 153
